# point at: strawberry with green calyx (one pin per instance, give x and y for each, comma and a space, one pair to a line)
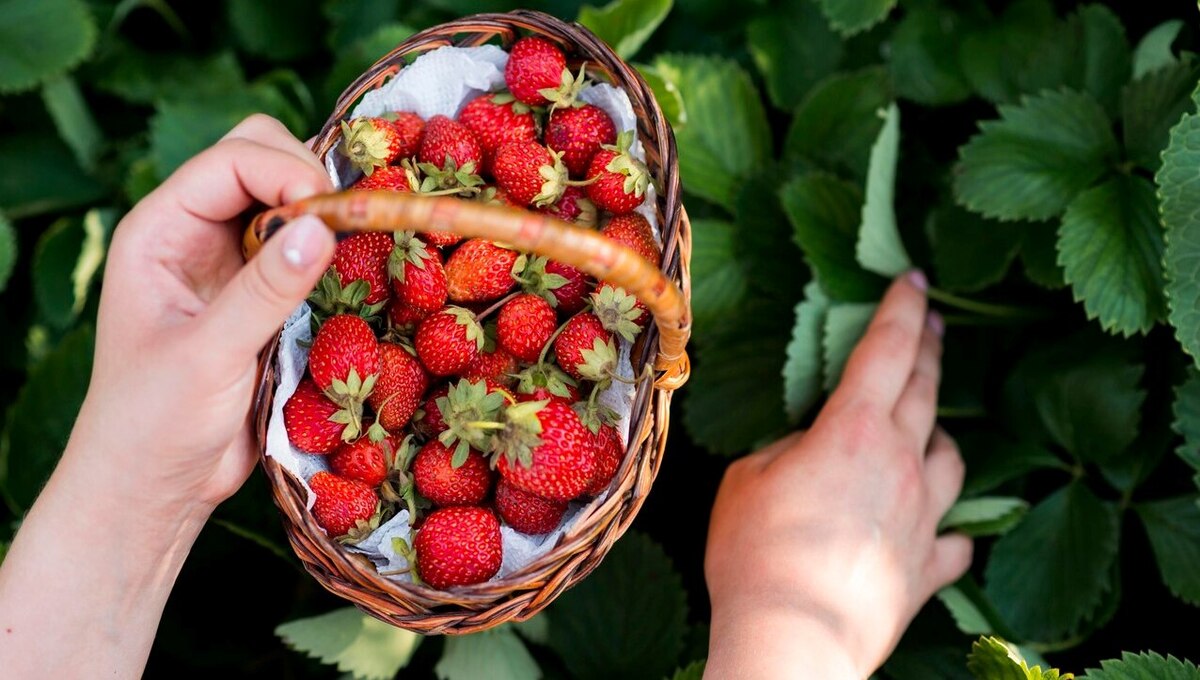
542, 447
428, 419
346, 509
530, 173
364, 257
449, 179
402, 380
497, 119
578, 132
535, 66
573, 207
563, 286
451, 477
447, 142
391, 178
371, 143
417, 274
526, 512
365, 459
331, 298
585, 349
634, 231
458, 546
618, 180
465, 406
494, 364
480, 270
344, 360
605, 441
403, 319
314, 424
618, 311
493, 195
398, 487
448, 340
546, 381
524, 326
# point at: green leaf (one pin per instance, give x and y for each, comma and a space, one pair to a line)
1174, 529
1187, 418
351, 21
73, 119
764, 243
1110, 247
1103, 60
719, 280
1151, 105
356, 643
924, 56
844, 327
993, 659
627, 619
924, 662
148, 77
262, 29
1178, 183
8, 251
992, 460
1154, 51
356, 58
726, 137
802, 370
497, 653
854, 16
995, 57
838, 121
40, 40
986, 516
625, 25
1048, 576
1039, 256
794, 48
971, 252
65, 262
1032, 162
693, 671
256, 538
40, 420
50, 179
1145, 666
666, 93
536, 630
825, 213
879, 248
970, 608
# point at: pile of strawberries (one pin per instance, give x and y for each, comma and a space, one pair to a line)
459, 380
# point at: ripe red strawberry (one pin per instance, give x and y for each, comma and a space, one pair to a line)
402, 381
440, 239
344, 359
405, 319
526, 512
609, 448
365, 257
494, 195
418, 277
449, 340
619, 312
563, 286
363, 460
621, 180
392, 178
444, 484
370, 143
524, 326
634, 231
578, 133
574, 207
309, 419
342, 505
545, 450
546, 381
480, 270
530, 173
496, 119
430, 421
458, 546
585, 349
445, 138
534, 65
497, 365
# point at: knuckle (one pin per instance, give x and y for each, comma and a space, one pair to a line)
257, 124
861, 426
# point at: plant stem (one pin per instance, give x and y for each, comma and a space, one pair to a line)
960, 412
985, 308
498, 304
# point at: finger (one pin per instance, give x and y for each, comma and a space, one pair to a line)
249, 310
944, 472
950, 559
270, 132
879, 367
778, 448
916, 410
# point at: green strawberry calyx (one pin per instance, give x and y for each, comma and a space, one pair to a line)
467, 409
637, 175
473, 332
535, 281
330, 298
365, 144
519, 433
547, 376
617, 311
409, 249
599, 362
566, 95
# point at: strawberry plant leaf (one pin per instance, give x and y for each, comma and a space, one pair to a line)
73, 119
666, 93
1032, 162
625, 620
855, 16
693, 671
970, 608
1174, 529
1151, 105
1146, 666
923, 661
825, 213
802, 370
720, 281
837, 122
146, 78
1100, 61
879, 248
40, 40
65, 262
497, 653
40, 420
8, 251
994, 659
1049, 575
264, 31
357, 57
1110, 247
844, 327
1187, 418
1178, 183
50, 179
1154, 51
536, 630
351, 21
726, 137
992, 459
971, 252
764, 243
995, 57
357, 644
924, 56
625, 25
794, 48
1039, 257
985, 516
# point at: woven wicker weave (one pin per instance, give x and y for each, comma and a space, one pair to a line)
666, 292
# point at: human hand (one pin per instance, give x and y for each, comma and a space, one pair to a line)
823, 546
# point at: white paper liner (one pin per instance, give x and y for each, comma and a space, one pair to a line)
442, 82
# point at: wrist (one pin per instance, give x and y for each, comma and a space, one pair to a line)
751, 642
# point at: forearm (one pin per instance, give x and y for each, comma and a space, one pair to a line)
749, 645
86, 579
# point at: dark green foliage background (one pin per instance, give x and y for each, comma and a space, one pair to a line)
1072, 393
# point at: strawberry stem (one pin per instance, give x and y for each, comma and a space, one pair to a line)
985, 308
554, 336
498, 304
486, 425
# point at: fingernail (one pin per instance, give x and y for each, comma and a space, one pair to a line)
299, 192
302, 241
917, 278
936, 323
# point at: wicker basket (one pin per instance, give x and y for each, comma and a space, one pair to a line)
520, 595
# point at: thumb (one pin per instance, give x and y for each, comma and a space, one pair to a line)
248, 312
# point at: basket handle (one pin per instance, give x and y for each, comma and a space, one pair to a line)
584, 249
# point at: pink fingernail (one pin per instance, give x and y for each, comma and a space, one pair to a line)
302, 241
936, 323
917, 278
